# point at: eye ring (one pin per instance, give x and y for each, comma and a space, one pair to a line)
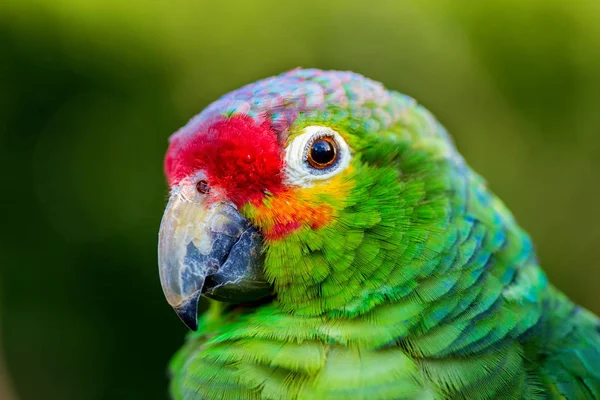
322, 152
300, 170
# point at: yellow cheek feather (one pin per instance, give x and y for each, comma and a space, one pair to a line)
294, 208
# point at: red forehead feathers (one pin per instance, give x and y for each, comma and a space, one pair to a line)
237, 155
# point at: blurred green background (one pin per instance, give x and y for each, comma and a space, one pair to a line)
91, 89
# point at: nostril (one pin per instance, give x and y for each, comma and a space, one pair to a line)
202, 187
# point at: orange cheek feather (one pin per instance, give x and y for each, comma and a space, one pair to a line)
289, 211
294, 208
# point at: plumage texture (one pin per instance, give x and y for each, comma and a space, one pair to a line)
402, 277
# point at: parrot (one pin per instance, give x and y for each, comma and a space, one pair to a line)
344, 249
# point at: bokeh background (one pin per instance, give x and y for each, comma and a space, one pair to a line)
91, 89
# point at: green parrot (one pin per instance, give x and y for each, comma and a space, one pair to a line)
349, 252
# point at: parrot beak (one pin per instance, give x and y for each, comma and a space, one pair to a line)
207, 249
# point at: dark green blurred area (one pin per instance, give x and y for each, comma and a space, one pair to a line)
91, 89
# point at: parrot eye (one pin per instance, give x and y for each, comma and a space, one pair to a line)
322, 153
316, 154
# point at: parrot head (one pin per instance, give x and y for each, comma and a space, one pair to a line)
297, 187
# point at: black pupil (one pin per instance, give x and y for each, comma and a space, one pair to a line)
322, 152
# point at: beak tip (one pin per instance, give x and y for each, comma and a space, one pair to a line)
188, 312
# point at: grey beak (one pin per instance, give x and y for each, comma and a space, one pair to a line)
211, 250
